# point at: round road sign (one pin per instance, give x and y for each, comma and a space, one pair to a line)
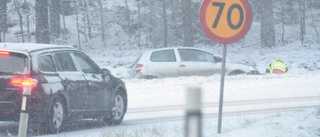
225, 21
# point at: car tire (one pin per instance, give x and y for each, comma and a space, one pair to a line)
236, 72
150, 77
118, 110
56, 116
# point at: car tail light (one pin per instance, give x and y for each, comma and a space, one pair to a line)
139, 67
23, 81
4, 53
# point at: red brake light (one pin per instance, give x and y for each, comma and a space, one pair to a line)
23, 81
4, 53
139, 67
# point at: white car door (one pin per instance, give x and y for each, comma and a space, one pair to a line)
197, 62
163, 63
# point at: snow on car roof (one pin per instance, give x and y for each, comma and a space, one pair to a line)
177, 48
165, 48
28, 47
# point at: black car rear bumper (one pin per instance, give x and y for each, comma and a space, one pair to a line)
37, 109
9, 111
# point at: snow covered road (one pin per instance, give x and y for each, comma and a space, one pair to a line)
165, 98
160, 100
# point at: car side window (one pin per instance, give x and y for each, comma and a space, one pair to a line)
163, 56
86, 64
195, 55
64, 62
46, 63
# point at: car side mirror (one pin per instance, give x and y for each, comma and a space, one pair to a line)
217, 59
105, 71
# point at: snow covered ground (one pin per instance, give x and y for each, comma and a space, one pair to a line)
303, 63
302, 80
301, 123
299, 59
169, 93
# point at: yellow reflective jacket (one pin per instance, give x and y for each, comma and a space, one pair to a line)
277, 67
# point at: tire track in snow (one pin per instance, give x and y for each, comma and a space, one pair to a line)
231, 108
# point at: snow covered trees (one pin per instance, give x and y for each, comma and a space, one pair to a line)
149, 23
267, 36
3, 19
42, 23
54, 20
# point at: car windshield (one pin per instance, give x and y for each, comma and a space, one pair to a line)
13, 64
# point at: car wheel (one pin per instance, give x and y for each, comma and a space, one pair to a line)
56, 116
236, 72
150, 77
118, 110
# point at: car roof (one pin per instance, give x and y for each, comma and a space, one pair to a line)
176, 48
194, 48
30, 47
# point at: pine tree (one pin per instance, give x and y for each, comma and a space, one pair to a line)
267, 24
42, 24
3, 19
54, 19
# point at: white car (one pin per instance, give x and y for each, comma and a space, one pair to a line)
184, 61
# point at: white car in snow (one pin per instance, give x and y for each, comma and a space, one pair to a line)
184, 61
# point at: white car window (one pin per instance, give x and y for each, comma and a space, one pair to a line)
163, 56
195, 55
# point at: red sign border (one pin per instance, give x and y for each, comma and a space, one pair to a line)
229, 40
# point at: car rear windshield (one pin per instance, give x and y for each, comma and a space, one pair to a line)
13, 63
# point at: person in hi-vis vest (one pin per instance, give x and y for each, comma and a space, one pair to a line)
277, 67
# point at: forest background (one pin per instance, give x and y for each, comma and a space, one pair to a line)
128, 24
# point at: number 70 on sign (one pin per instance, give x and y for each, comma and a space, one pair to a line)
225, 21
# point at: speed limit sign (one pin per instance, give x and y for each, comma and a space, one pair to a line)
225, 21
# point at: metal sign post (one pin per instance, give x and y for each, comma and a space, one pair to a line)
223, 72
23, 124
225, 22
